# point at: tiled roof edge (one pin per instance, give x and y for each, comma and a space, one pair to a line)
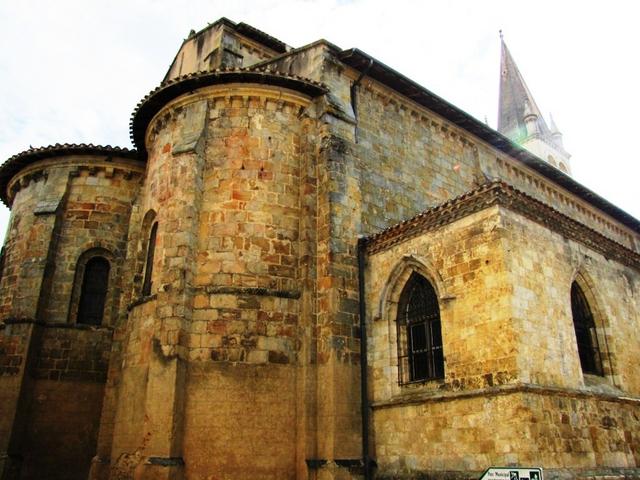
20, 160
153, 102
503, 194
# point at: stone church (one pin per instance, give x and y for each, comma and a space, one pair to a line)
311, 267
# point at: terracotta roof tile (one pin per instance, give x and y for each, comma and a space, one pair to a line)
20, 160
153, 102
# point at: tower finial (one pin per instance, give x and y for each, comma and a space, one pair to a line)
500, 32
530, 119
556, 136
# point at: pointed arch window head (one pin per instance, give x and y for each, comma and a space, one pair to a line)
148, 269
586, 334
420, 355
93, 294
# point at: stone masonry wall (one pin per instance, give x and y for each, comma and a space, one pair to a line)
61, 207
68, 371
409, 160
465, 263
24, 251
77, 354
127, 430
13, 350
569, 435
412, 159
15, 340
234, 275
96, 216
216, 47
247, 307
513, 391
64, 207
61, 430
541, 273
422, 160
52, 369
339, 203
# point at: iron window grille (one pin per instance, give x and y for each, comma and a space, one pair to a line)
420, 354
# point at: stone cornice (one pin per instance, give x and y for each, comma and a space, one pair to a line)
507, 389
21, 160
150, 105
257, 291
39, 170
63, 325
504, 195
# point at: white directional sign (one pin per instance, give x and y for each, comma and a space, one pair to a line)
512, 473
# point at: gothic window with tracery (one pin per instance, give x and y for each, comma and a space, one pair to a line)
586, 333
419, 332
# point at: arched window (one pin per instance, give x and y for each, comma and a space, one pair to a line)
419, 333
563, 168
95, 283
586, 335
148, 269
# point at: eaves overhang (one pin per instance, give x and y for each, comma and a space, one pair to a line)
17, 162
389, 77
502, 194
261, 37
151, 104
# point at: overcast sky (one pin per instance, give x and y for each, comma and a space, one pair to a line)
72, 71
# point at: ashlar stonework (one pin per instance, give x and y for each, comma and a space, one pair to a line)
313, 268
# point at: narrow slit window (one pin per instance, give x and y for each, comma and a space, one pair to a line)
419, 332
586, 333
95, 283
148, 270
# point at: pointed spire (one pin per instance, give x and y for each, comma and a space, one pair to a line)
556, 136
519, 117
514, 96
552, 125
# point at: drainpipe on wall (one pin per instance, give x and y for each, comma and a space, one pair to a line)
364, 397
354, 103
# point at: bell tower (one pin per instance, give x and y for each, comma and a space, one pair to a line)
520, 120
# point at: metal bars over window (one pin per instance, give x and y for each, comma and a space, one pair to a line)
586, 334
420, 356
